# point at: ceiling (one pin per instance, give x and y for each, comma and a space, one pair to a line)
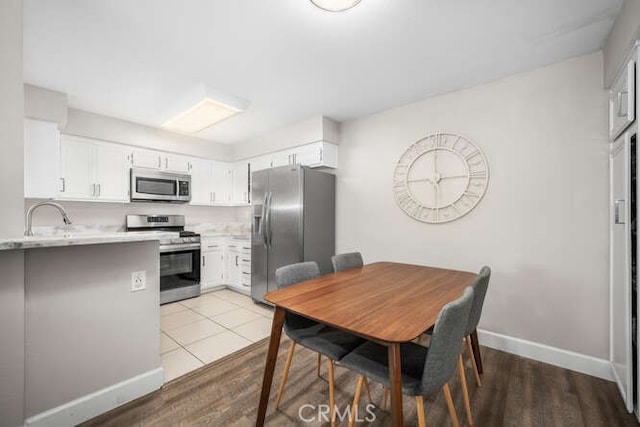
135, 59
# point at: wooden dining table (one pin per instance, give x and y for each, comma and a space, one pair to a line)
389, 303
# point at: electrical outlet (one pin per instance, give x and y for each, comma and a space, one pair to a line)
138, 281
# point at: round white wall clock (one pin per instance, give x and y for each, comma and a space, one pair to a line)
440, 178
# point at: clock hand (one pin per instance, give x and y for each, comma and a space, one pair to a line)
420, 180
454, 176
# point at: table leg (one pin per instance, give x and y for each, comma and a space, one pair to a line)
272, 356
476, 349
395, 382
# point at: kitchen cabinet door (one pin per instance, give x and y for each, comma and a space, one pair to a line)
176, 163
146, 159
241, 182
232, 267
41, 164
222, 182
111, 172
212, 268
201, 182
76, 173
316, 155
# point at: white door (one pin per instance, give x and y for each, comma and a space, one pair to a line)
241, 182
232, 266
176, 163
201, 182
309, 155
147, 159
111, 172
209, 272
76, 170
621, 271
222, 182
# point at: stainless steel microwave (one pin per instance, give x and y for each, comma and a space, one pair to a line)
149, 185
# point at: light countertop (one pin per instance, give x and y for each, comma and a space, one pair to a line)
71, 239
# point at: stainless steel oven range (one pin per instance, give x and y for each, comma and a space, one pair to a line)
179, 255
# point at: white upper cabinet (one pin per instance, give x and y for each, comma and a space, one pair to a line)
146, 159
316, 154
76, 169
111, 172
241, 182
151, 159
176, 163
222, 182
622, 100
93, 170
41, 151
201, 181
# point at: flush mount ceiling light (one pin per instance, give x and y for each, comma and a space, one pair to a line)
335, 5
203, 108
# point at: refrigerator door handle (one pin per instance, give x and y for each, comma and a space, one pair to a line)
267, 232
261, 225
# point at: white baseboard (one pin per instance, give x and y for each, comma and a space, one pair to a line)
94, 404
578, 362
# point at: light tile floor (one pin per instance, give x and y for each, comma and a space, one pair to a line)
200, 330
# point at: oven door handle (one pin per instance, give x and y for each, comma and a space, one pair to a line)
181, 247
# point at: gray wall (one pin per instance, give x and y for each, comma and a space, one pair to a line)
625, 31
11, 216
543, 223
85, 329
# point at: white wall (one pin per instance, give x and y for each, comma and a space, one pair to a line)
625, 31
543, 223
11, 223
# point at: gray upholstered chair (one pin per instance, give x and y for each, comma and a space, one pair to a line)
424, 370
323, 339
346, 261
480, 287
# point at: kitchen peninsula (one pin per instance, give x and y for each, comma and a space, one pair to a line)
91, 343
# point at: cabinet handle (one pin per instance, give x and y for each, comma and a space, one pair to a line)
93, 190
246, 260
203, 260
99, 189
320, 154
244, 272
236, 260
616, 214
166, 163
213, 196
159, 161
64, 185
132, 161
621, 104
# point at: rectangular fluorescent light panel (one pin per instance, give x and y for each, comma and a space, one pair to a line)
202, 115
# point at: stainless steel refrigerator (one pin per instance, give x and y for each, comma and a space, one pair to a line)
293, 211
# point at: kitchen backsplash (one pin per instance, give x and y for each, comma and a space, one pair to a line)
111, 216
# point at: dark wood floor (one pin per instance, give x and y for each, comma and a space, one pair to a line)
515, 392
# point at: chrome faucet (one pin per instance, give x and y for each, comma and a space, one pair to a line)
29, 215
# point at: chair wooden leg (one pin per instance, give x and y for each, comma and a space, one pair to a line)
319, 361
366, 387
356, 400
332, 400
452, 409
285, 372
465, 391
385, 395
420, 410
467, 339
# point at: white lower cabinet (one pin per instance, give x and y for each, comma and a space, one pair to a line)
212, 263
226, 261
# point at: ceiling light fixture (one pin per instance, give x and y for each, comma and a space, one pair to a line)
335, 5
205, 108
